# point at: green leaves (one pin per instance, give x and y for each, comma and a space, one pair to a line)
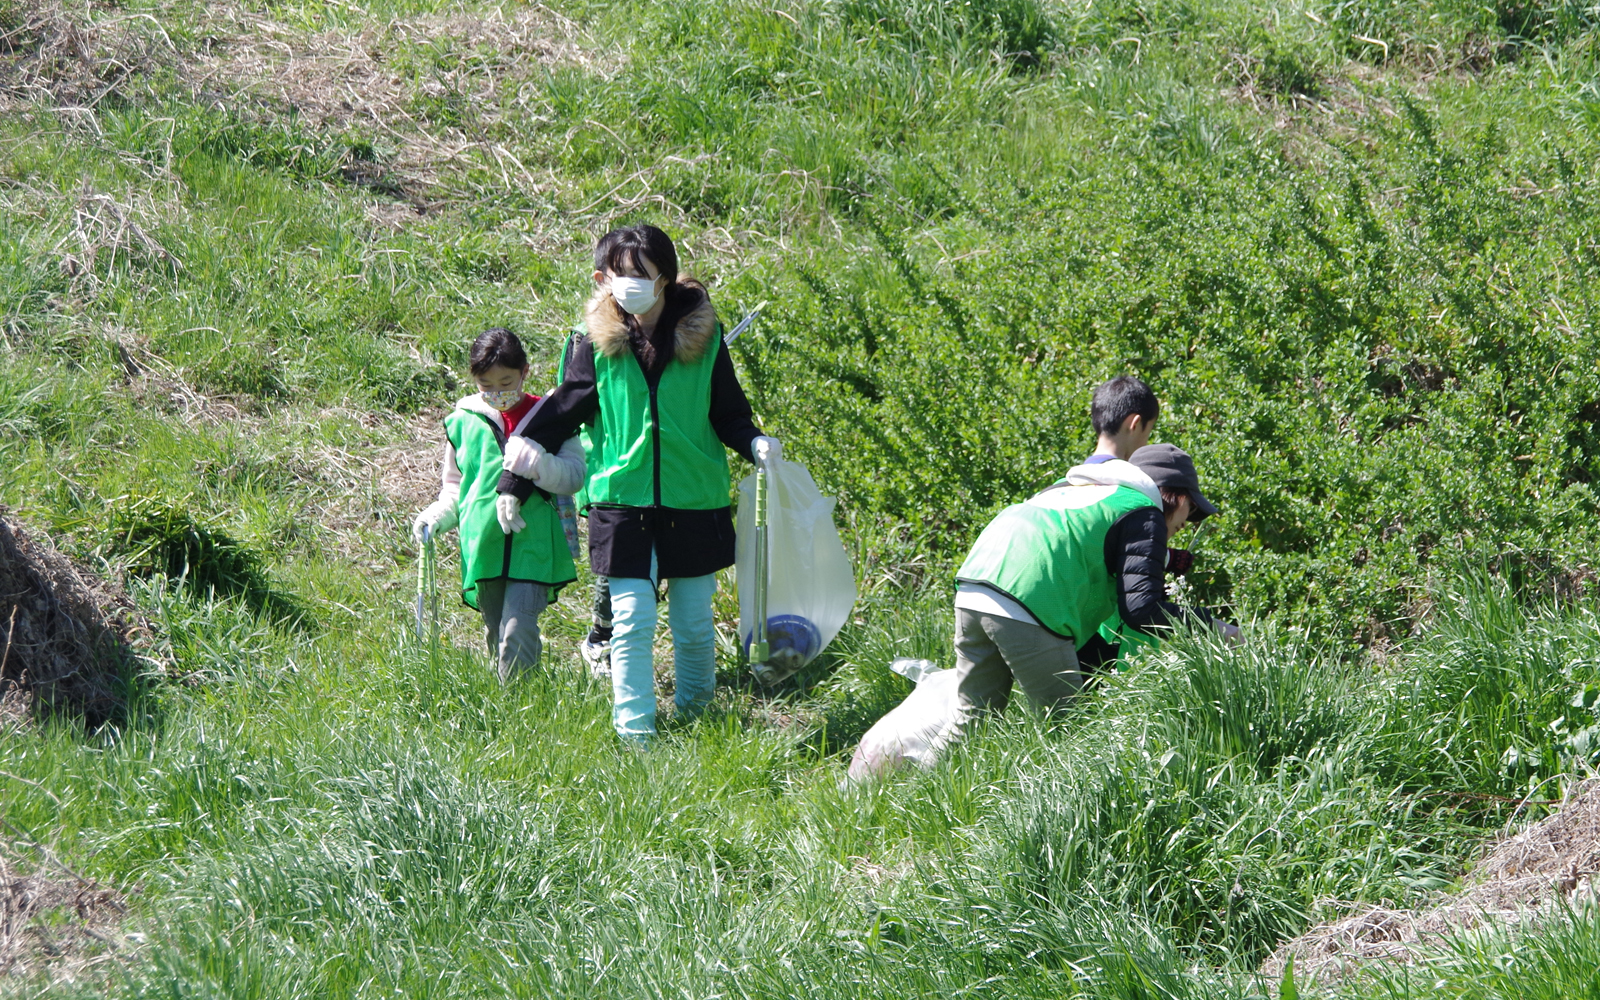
1358, 375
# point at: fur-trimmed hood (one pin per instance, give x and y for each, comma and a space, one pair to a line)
693, 335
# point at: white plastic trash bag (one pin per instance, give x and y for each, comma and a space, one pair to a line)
916, 730
811, 587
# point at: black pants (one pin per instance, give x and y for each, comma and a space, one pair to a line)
602, 602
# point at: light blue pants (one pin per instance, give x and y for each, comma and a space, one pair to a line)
694, 647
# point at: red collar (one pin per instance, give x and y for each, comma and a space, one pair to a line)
513, 416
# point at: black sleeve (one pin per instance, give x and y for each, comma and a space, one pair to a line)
566, 353
558, 416
730, 410
1136, 554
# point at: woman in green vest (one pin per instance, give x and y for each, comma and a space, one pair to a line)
650, 379
506, 576
1047, 573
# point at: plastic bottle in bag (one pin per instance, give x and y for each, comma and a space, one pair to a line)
810, 584
918, 729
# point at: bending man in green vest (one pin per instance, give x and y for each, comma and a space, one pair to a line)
507, 577
650, 379
1047, 573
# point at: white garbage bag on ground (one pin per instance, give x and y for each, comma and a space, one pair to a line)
916, 730
811, 587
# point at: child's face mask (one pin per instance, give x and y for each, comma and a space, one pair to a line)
634, 295
502, 399
501, 387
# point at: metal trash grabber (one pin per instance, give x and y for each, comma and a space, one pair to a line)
428, 599
760, 649
758, 642
744, 324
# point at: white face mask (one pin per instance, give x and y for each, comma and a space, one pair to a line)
502, 399
634, 295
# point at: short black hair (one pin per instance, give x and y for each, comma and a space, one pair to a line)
497, 347
626, 248
1119, 399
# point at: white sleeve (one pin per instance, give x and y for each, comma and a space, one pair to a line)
449, 475
442, 513
562, 472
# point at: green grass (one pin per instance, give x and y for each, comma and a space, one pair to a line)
1351, 245
1553, 960
327, 816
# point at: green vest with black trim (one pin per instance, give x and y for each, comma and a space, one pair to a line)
536, 554
1048, 554
656, 448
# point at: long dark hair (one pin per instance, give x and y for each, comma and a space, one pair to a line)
627, 249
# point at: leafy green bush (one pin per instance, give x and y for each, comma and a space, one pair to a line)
151, 537
1356, 395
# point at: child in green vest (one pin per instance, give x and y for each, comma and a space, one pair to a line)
506, 576
652, 384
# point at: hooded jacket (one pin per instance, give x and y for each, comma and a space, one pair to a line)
1085, 557
657, 413
475, 444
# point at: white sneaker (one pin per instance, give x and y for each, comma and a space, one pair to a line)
598, 656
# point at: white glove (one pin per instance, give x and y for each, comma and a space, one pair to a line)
437, 517
766, 449
522, 456
508, 509
1230, 631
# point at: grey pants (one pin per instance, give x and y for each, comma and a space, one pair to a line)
991, 651
511, 623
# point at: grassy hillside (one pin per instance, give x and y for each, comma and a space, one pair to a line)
242, 249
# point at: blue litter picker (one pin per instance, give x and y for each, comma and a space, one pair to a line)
796, 587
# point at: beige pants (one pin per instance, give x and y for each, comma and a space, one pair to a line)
992, 651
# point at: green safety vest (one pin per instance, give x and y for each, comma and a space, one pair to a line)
1128, 640
1048, 554
656, 448
538, 553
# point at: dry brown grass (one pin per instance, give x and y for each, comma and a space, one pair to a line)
384, 77
429, 90
103, 225
373, 485
75, 54
1525, 878
70, 638
444, 100
56, 927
